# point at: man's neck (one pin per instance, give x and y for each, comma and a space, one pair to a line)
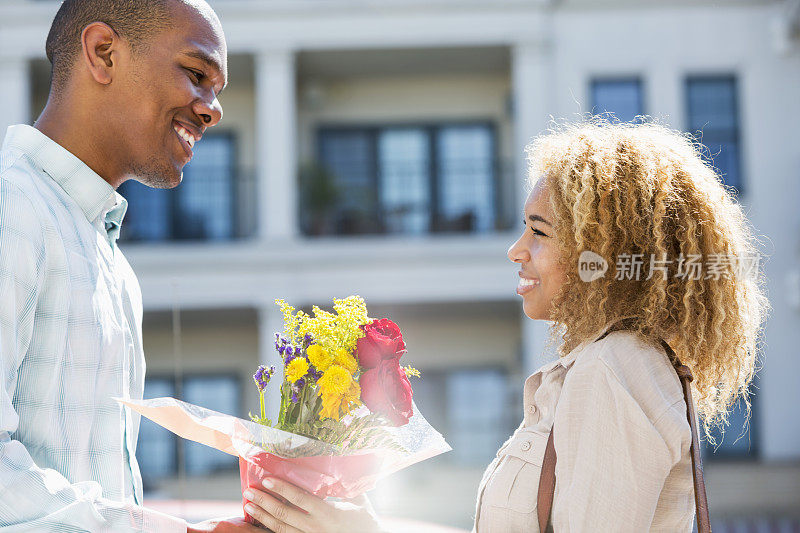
78, 135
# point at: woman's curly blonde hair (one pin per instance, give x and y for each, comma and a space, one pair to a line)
642, 188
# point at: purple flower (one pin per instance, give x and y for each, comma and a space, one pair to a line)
289, 350
313, 373
295, 398
262, 376
307, 339
300, 383
280, 348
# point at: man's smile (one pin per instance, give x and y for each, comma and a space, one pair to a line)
187, 137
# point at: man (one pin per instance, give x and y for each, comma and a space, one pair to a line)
134, 86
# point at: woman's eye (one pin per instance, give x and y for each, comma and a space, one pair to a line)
537, 232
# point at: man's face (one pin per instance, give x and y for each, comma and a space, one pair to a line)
168, 98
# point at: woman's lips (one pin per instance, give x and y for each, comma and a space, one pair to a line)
526, 285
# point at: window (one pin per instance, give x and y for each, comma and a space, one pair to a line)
218, 394
478, 412
740, 441
471, 409
620, 96
409, 179
712, 105
202, 207
157, 449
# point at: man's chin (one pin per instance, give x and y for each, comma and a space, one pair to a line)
175, 180
162, 179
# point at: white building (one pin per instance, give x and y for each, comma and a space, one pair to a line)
420, 111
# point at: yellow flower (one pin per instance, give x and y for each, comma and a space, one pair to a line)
331, 406
290, 321
336, 380
346, 360
319, 357
354, 394
411, 371
333, 331
296, 369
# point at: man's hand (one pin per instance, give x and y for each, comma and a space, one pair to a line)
224, 525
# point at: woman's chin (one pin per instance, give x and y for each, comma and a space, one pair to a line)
531, 311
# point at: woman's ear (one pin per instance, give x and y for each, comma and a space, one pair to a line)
100, 44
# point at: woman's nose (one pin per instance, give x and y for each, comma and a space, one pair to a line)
518, 253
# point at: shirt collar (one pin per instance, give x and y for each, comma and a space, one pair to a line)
93, 194
115, 209
569, 359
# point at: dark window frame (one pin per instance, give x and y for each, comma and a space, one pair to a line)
446, 424
171, 378
634, 78
733, 433
373, 130
733, 78
176, 227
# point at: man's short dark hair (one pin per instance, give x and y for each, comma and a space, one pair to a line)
136, 20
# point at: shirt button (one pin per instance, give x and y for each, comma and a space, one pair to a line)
526, 446
531, 409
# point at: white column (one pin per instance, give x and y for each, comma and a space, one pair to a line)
15, 91
665, 89
270, 321
532, 79
276, 149
534, 340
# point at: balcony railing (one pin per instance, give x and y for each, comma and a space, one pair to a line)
211, 204
215, 204
401, 197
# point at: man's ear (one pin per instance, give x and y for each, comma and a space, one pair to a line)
100, 50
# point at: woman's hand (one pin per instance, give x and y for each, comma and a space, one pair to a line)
306, 513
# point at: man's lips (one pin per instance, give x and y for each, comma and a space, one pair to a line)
188, 137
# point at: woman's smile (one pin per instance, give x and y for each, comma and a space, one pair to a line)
527, 284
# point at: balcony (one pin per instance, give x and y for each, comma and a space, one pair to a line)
217, 203
212, 204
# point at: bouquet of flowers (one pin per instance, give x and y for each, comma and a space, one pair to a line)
346, 418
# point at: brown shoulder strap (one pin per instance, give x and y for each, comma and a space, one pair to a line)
547, 480
547, 484
700, 498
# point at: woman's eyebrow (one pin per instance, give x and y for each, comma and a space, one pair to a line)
537, 218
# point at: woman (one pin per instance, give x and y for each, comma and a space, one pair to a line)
677, 249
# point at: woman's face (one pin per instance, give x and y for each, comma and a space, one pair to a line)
540, 276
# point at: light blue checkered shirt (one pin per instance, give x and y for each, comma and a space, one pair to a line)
70, 341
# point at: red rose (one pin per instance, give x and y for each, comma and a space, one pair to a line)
383, 341
386, 390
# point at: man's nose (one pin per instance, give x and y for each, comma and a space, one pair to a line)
209, 112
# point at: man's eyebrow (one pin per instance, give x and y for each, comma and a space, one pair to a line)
537, 218
205, 58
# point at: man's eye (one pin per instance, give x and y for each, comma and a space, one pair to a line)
198, 76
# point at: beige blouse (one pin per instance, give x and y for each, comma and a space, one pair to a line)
622, 444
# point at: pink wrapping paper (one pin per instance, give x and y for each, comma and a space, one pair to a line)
318, 467
344, 476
